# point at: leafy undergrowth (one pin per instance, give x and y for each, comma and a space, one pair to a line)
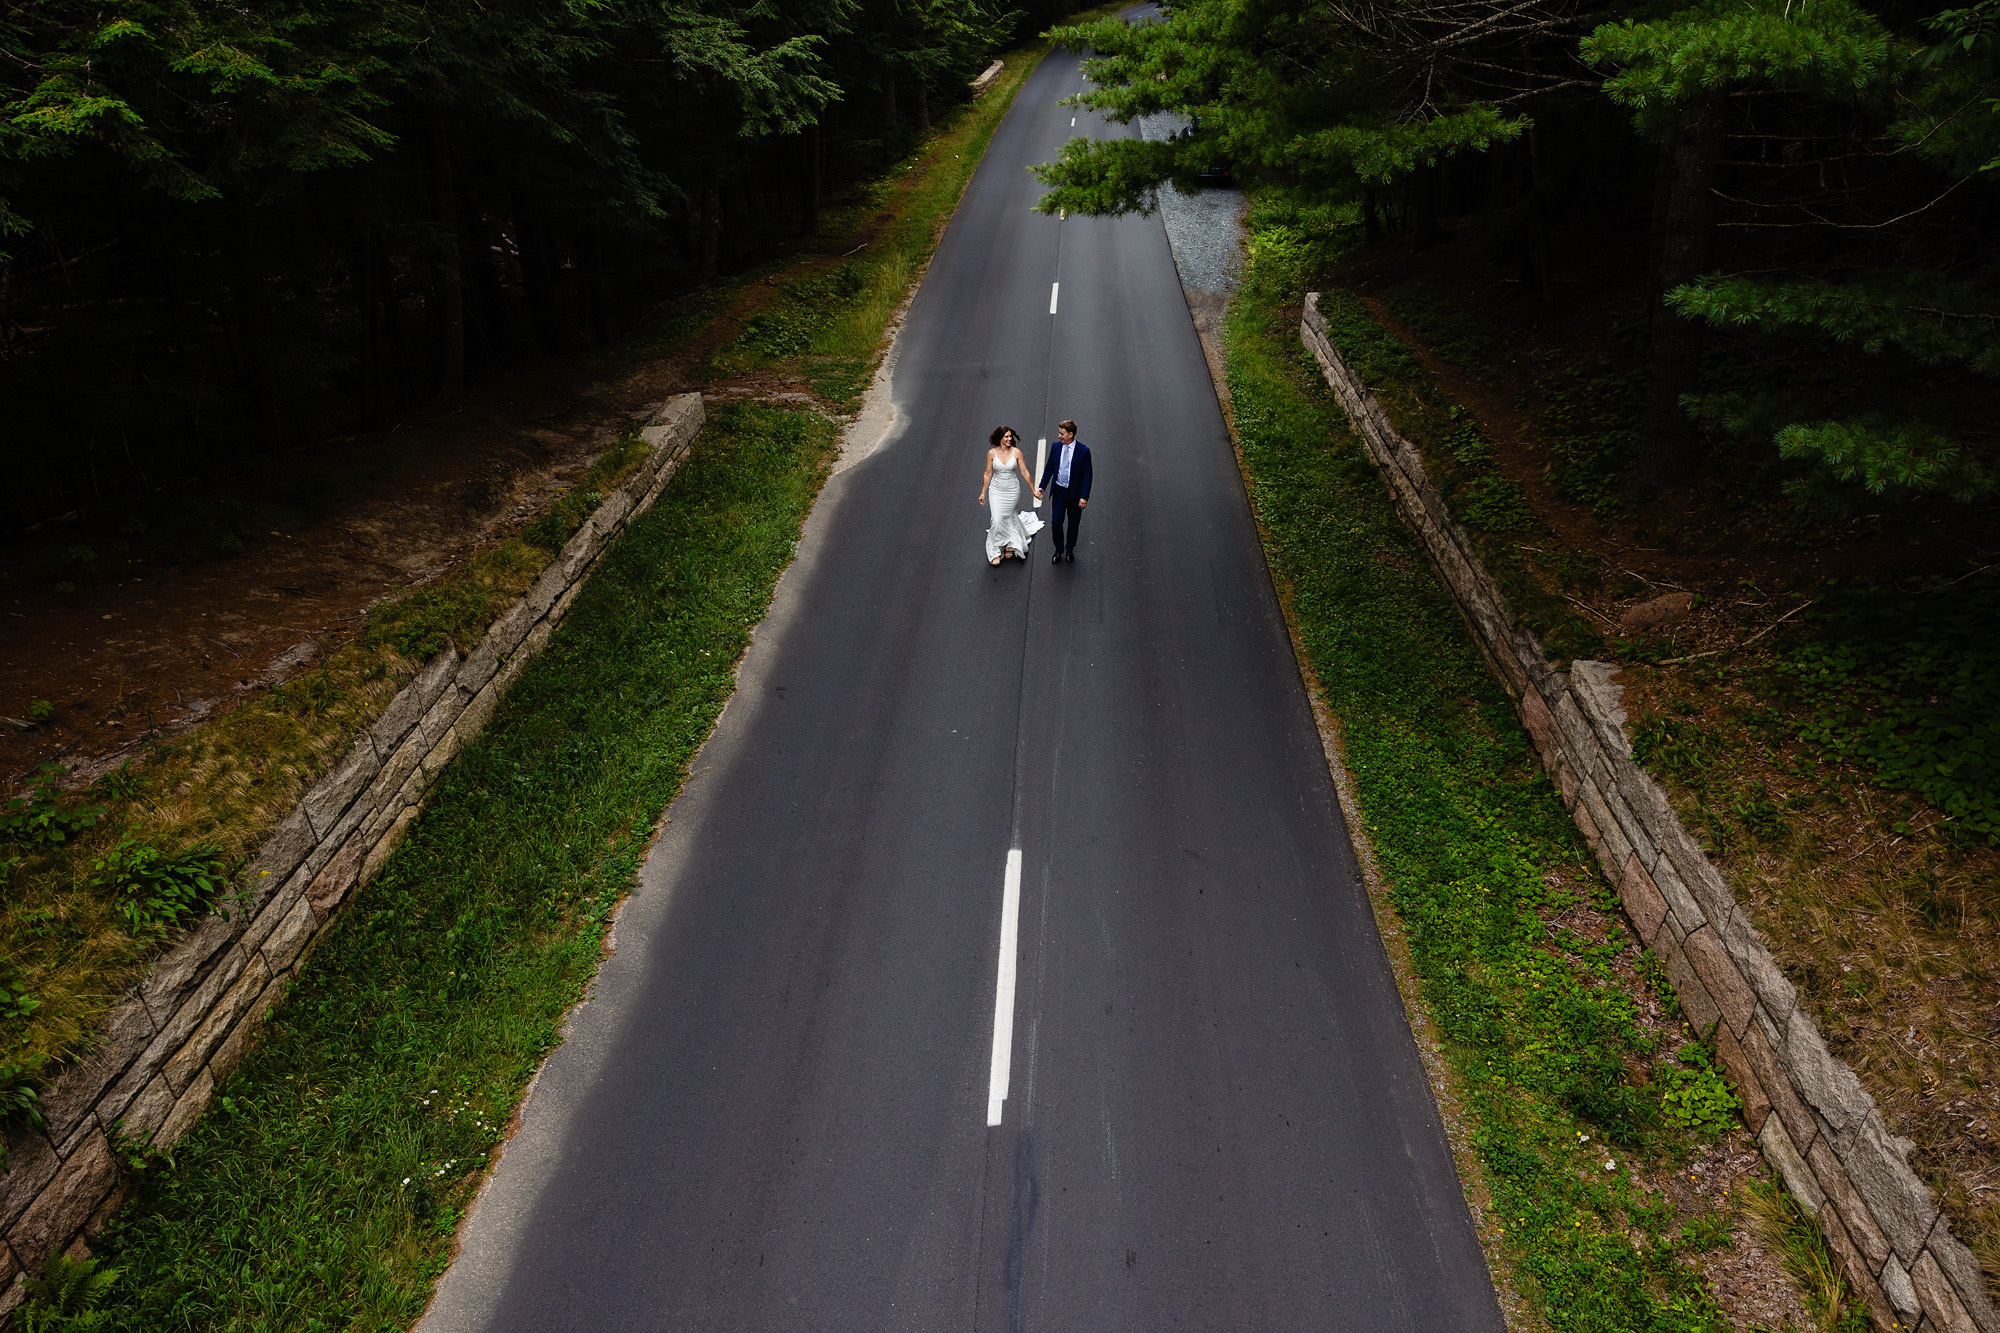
1589, 1102
323, 1187
1459, 461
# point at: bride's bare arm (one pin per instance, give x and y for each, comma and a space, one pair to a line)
986, 480
1021, 466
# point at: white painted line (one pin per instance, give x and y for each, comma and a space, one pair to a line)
1072, 122
1041, 461
1054, 288
1003, 997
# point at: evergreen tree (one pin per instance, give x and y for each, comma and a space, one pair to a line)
1330, 100
1894, 396
1678, 75
243, 223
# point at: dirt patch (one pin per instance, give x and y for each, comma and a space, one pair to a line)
156, 649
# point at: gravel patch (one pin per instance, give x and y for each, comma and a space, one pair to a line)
1204, 229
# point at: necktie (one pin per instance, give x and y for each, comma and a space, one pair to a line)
1062, 472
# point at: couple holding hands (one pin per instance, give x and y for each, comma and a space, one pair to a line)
1066, 475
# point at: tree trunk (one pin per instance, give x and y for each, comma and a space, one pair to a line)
923, 107
539, 280
1536, 261
1424, 199
447, 263
813, 181
361, 262
1686, 250
600, 290
1371, 222
711, 227
253, 324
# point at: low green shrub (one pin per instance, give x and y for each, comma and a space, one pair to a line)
43, 819
156, 890
20, 1100
1697, 1097
1445, 326
798, 322
1592, 421
1905, 680
1373, 353
1495, 504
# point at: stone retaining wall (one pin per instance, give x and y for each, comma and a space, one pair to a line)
190, 1021
1810, 1114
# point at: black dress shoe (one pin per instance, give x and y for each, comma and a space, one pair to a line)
1069, 557
1055, 556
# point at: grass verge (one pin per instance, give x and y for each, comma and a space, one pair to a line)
323, 1188
1594, 1114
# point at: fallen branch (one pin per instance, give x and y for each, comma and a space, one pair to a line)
1593, 610
1676, 661
1651, 583
1779, 621
1963, 577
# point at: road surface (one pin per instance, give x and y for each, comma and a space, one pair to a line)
1094, 787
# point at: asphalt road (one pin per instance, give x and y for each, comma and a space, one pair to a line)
774, 1114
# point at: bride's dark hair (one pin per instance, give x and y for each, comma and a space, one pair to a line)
1001, 433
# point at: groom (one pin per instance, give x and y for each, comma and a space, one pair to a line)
1066, 478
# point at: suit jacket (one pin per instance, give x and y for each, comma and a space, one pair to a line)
1079, 470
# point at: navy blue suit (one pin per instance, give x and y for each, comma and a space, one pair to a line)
1068, 513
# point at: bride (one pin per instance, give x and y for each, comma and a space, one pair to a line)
1001, 493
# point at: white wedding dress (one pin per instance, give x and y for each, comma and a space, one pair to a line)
1003, 504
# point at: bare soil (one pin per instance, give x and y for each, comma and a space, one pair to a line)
157, 649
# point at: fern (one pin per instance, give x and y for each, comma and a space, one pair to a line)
67, 1297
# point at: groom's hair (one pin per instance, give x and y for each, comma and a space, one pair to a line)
1069, 426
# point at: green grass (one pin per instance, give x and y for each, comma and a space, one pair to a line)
404, 1046
1514, 938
